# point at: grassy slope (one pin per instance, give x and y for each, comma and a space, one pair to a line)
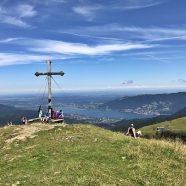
176, 126
87, 155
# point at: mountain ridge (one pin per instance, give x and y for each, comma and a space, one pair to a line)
149, 104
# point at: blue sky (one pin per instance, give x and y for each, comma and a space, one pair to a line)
100, 44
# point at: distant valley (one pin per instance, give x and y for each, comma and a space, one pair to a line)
104, 110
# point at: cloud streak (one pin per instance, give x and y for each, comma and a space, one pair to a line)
39, 50
87, 11
15, 15
25, 10
136, 4
9, 40
51, 46
128, 82
149, 34
91, 8
7, 59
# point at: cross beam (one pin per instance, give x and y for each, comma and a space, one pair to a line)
49, 74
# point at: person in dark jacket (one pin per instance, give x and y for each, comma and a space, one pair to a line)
131, 131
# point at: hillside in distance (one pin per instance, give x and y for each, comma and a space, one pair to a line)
14, 115
86, 155
149, 104
172, 129
123, 125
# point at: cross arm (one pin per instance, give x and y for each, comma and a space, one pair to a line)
61, 73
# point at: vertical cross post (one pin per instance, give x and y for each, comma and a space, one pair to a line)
49, 88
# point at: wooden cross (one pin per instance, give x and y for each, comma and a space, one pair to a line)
49, 74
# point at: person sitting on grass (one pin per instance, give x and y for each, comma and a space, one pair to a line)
131, 131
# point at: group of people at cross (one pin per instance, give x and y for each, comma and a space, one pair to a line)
47, 118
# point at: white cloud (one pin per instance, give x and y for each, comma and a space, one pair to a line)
128, 82
25, 10
89, 8
15, 15
86, 11
45, 49
13, 21
50, 2
13, 59
144, 86
132, 32
8, 40
154, 33
90, 36
136, 4
51, 46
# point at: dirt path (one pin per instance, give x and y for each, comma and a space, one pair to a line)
27, 131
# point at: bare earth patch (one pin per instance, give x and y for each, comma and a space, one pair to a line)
27, 131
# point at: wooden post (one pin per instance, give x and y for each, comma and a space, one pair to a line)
49, 89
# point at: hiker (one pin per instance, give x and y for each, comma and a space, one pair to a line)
40, 113
131, 131
55, 114
46, 118
60, 115
24, 120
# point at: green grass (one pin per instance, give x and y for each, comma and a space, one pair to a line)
87, 155
177, 126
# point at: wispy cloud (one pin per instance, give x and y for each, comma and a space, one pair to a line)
8, 40
11, 58
13, 21
90, 36
128, 82
87, 11
25, 10
15, 15
136, 4
44, 49
51, 46
51, 2
154, 33
90, 8
132, 32
14, 59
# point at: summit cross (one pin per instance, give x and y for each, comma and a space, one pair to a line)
49, 74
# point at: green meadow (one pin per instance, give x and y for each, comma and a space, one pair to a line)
176, 127
87, 155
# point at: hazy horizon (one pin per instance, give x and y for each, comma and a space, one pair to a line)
96, 92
